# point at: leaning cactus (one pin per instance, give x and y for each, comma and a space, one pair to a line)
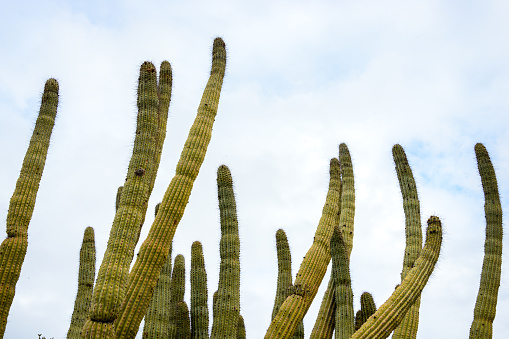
486, 303
21, 207
86, 279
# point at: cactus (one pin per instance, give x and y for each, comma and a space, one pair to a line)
313, 266
182, 328
391, 313
111, 282
21, 207
413, 231
86, 279
199, 294
325, 322
153, 251
227, 305
241, 328
177, 291
342, 286
347, 203
368, 307
486, 303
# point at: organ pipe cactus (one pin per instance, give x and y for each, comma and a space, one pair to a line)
313, 266
227, 304
413, 231
199, 294
183, 330
325, 321
486, 303
368, 307
391, 313
177, 291
86, 277
21, 207
153, 251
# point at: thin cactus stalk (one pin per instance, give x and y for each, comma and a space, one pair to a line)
183, 329
391, 313
347, 204
158, 313
313, 266
325, 322
153, 251
113, 274
342, 286
241, 328
21, 207
199, 294
486, 303
227, 305
413, 232
368, 307
177, 291
86, 277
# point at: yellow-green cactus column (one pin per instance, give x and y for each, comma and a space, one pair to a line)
227, 304
199, 294
183, 329
153, 251
486, 303
313, 266
86, 277
110, 288
177, 291
347, 205
325, 322
391, 313
13, 249
413, 232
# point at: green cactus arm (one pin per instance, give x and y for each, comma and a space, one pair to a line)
153, 251
486, 303
325, 322
13, 248
391, 313
368, 307
227, 305
347, 204
86, 277
177, 291
284, 273
342, 286
183, 325
113, 273
313, 266
241, 328
413, 232
158, 313
199, 294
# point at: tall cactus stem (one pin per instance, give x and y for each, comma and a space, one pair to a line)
153, 251
199, 294
86, 277
486, 303
183, 329
413, 234
325, 322
13, 249
177, 291
227, 305
347, 205
313, 266
391, 313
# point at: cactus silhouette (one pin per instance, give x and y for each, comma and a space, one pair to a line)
21, 207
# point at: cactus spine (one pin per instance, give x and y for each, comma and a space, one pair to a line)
342, 286
486, 303
13, 249
413, 232
391, 313
86, 277
111, 282
227, 305
313, 266
199, 294
153, 251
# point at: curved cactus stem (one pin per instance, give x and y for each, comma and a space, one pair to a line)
413, 231
153, 251
199, 294
486, 303
21, 207
177, 291
313, 266
227, 305
368, 307
391, 313
342, 286
113, 274
86, 277
326, 320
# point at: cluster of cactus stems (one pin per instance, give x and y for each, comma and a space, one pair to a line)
154, 288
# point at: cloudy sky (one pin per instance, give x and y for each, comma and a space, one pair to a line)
301, 78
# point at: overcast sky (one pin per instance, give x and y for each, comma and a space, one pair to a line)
301, 78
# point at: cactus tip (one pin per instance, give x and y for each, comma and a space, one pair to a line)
51, 85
